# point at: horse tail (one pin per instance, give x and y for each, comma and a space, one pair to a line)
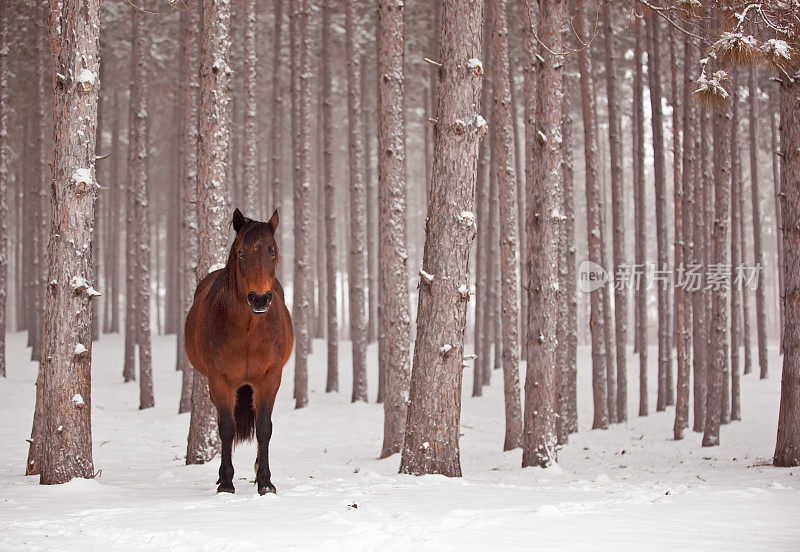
244, 415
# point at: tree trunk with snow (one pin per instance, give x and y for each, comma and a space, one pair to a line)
718, 323
776, 182
141, 209
393, 270
787, 448
543, 163
507, 187
331, 258
433, 425
212, 222
593, 205
569, 358
358, 210
190, 80
66, 331
302, 298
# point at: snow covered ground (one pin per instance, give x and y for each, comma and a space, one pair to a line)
628, 488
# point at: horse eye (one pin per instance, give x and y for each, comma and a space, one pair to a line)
240, 253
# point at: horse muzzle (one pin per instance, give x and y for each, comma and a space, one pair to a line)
259, 304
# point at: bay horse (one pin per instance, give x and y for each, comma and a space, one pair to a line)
239, 336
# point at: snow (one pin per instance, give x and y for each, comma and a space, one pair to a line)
777, 49
86, 78
474, 64
80, 348
444, 349
630, 487
82, 178
216, 266
426, 276
77, 399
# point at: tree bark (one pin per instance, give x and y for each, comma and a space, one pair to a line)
66, 331
250, 136
718, 326
758, 251
787, 447
776, 181
543, 161
731, 409
331, 258
618, 213
131, 339
190, 80
687, 220
141, 210
302, 299
593, 206
277, 121
639, 201
212, 222
433, 424
507, 187
371, 186
358, 211
4, 251
665, 396
393, 269
569, 364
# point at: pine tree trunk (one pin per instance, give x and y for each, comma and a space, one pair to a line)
507, 187
212, 222
141, 211
433, 425
519, 167
483, 346
640, 210
787, 448
358, 211
302, 299
731, 409
4, 251
371, 186
718, 324
129, 365
776, 181
322, 300
331, 258
758, 252
664, 312
608, 309
543, 161
393, 269
190, 81
618, 214
250, 137
277, 123
679, 304
687, 222
490, 255
38, 190
569, 371
593, 222
66, 331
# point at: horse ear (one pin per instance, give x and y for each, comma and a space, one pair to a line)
273, 222
239, 220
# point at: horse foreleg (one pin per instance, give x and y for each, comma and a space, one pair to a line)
227, 429
264, 434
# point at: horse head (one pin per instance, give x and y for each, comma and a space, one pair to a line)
253, 260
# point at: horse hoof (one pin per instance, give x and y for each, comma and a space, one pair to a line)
226, 488
264, 489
